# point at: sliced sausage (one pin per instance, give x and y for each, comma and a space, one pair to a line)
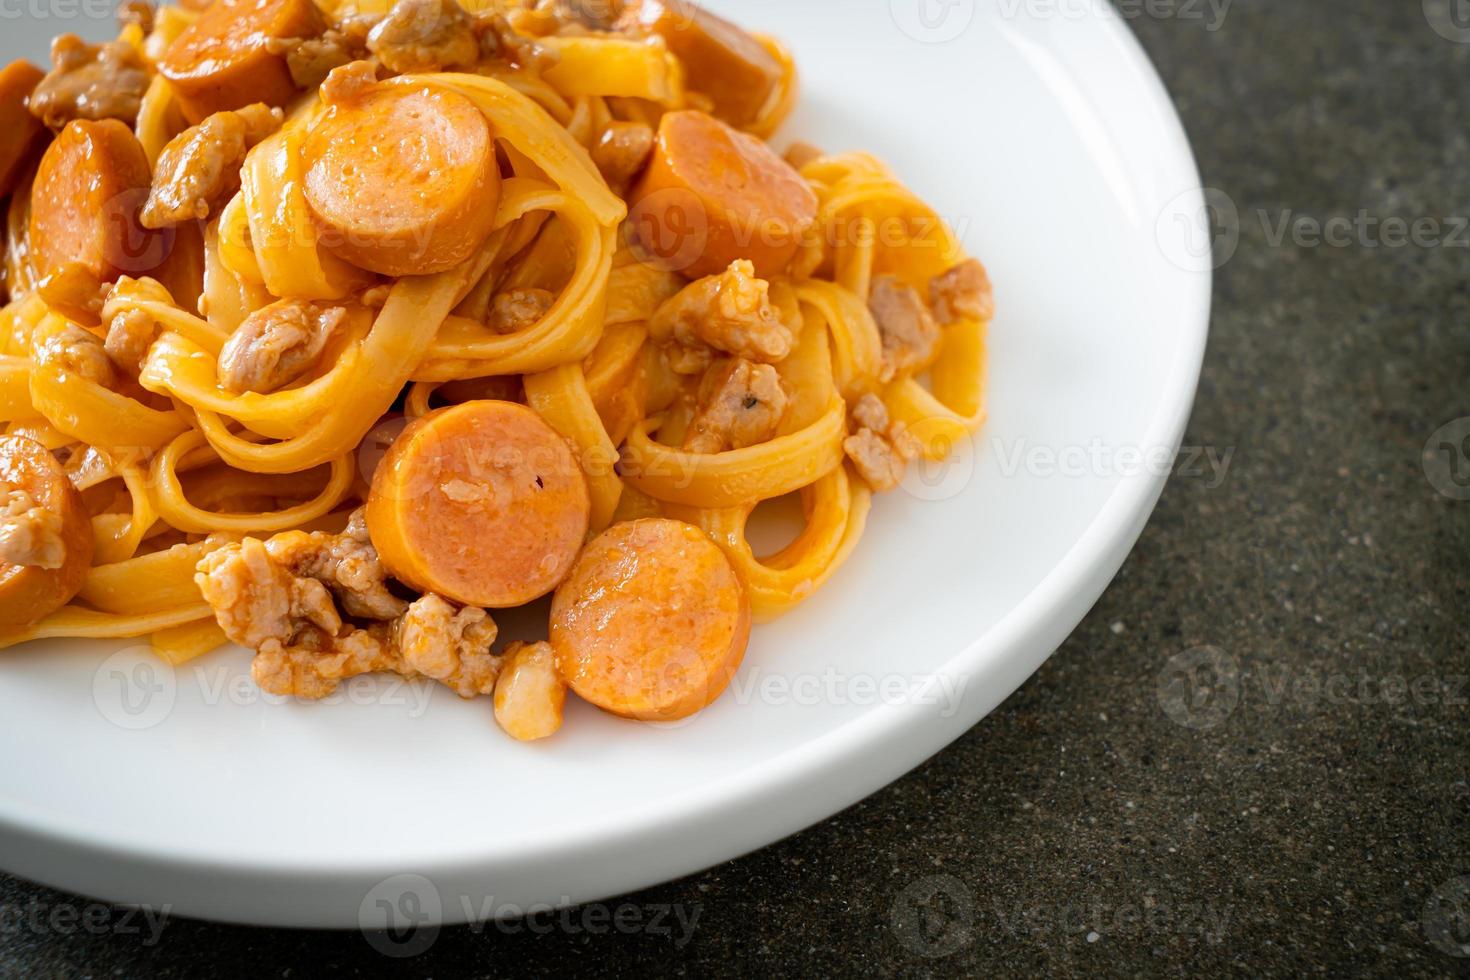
19, 130
45, 533
403, 181
712, 195
89, 187
231, 56
722, 61
483, 503
652, 623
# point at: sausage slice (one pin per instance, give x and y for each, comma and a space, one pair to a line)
45, 533
483, 503
722, 60
652, 623
89, 187
231, 56
19, 129
712, 194
403, 180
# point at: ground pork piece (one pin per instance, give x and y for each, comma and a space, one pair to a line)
138, 12
501, 42
30, 535
199, 169
277, 588
910, 335
881, 450
277, 597
450, 645
74, 290
277, 344
516, 309
431, 639
870, 413
688, 360
314, 665
621, 153
346, 563
90, 81
255, 599
530, 695
129, 336
348, 82
729, 312
311, 59
879, 466
594, 15
962, 293
79, 352
425, 35
740, 404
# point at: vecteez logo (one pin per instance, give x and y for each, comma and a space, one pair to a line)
932, 21
133, 689
1447, 459
400, 916
1199, 688
933, 916
1450, 19
1446, 918
1198, 230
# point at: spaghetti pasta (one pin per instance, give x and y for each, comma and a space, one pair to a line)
220, 408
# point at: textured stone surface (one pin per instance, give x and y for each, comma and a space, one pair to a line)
1081, 829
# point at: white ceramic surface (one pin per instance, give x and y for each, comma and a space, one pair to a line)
1042, 132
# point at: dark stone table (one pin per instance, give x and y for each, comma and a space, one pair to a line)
1312, 815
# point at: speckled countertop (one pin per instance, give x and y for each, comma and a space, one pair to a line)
1314, 816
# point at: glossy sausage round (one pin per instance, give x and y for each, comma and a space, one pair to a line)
483, 503
19, 130
712, 194
403, 181
652, 623
723, 61
30, 592
91, 182
223, 60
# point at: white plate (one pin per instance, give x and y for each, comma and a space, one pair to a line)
1043, 133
